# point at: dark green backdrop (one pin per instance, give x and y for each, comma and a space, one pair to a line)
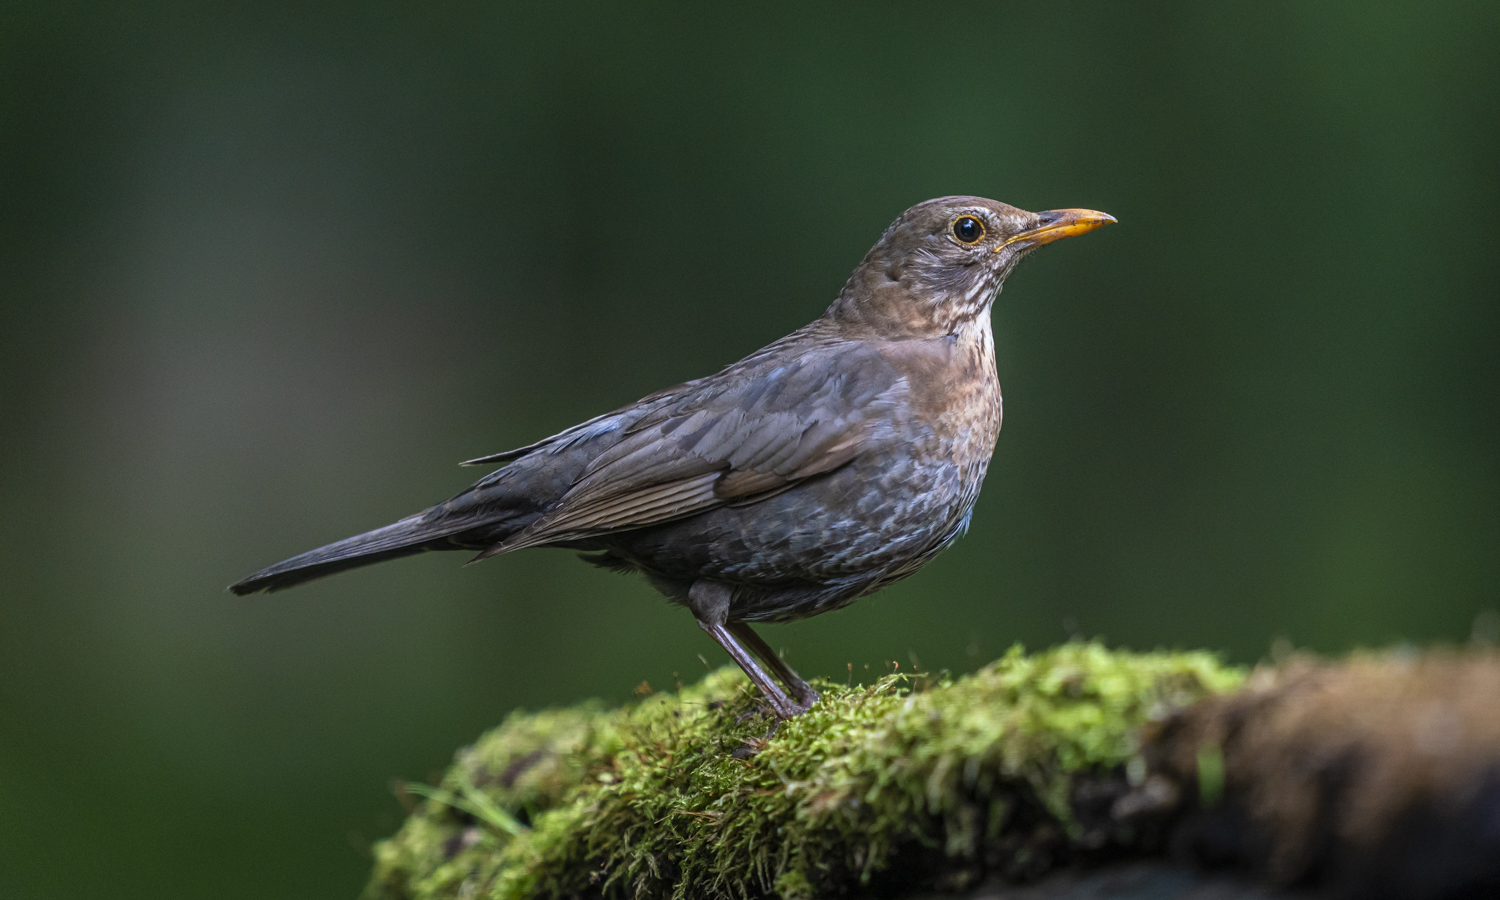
267, 272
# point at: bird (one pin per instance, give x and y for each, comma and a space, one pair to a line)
815, 471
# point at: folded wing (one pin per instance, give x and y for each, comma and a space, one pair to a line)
727, 440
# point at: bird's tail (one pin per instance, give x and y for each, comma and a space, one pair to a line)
404, 538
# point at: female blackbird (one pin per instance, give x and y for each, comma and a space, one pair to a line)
814, 471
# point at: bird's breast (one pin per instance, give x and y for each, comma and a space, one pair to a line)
954, 394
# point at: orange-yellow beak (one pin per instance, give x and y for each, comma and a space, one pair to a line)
1057, 224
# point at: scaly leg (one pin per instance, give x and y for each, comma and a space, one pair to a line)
781, 704
801, 691
710, 602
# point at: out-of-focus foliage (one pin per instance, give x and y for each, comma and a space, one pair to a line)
266, 270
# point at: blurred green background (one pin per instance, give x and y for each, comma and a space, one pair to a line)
268, 270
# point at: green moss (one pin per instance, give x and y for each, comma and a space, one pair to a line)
697, 795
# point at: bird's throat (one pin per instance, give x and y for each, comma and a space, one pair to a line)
897, 310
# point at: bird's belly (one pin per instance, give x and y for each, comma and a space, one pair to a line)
875, 515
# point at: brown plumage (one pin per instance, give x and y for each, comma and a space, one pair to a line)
812, 472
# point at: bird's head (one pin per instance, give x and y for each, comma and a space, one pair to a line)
942, 262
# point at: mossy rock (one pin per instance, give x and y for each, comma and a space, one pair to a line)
909, 782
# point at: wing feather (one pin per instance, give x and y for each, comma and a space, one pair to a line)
727, 439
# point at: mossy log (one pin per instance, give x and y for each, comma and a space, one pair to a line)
1079, 772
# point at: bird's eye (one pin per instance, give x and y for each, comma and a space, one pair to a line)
968, 229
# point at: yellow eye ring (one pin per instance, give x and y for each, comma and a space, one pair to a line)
967, 230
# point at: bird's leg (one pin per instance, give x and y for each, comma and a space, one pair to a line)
710, 602
801, 691
781, 704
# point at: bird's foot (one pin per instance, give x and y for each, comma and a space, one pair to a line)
778, 703
803, 695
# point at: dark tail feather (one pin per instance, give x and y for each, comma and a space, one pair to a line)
404, 538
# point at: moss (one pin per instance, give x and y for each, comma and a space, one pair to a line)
699, 794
